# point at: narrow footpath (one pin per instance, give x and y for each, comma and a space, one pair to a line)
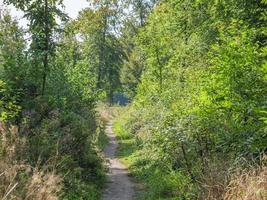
119, 185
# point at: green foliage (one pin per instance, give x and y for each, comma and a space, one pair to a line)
102, 52
57, 131
195, 71
43, 26
13, 65
9, 107
202, 90
121, 132
161, 181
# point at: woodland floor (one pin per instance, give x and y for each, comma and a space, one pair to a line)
119, 185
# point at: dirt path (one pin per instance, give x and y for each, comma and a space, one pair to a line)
119, 186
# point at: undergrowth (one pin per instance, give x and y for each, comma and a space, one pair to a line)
162, 181
159, 182
66, 162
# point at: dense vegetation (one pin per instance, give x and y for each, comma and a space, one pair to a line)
194, 71
49, 89
198, 114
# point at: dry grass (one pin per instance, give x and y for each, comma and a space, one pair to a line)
250, 185
220, 183
43, 186
8, 183
18, 180
214, 180
107, 113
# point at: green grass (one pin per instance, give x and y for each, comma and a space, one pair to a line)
127, 151
121, 133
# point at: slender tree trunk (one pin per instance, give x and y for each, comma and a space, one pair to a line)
102, 54
141, 13
46, 49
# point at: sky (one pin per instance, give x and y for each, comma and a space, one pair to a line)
72, 8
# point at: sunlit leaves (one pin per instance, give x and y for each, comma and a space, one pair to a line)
8, 105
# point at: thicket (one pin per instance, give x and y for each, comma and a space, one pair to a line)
49, 88
199, 110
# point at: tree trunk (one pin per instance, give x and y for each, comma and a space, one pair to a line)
46, 48
102, 54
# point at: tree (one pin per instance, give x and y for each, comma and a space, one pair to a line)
42, 16
13, 62
101, 47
